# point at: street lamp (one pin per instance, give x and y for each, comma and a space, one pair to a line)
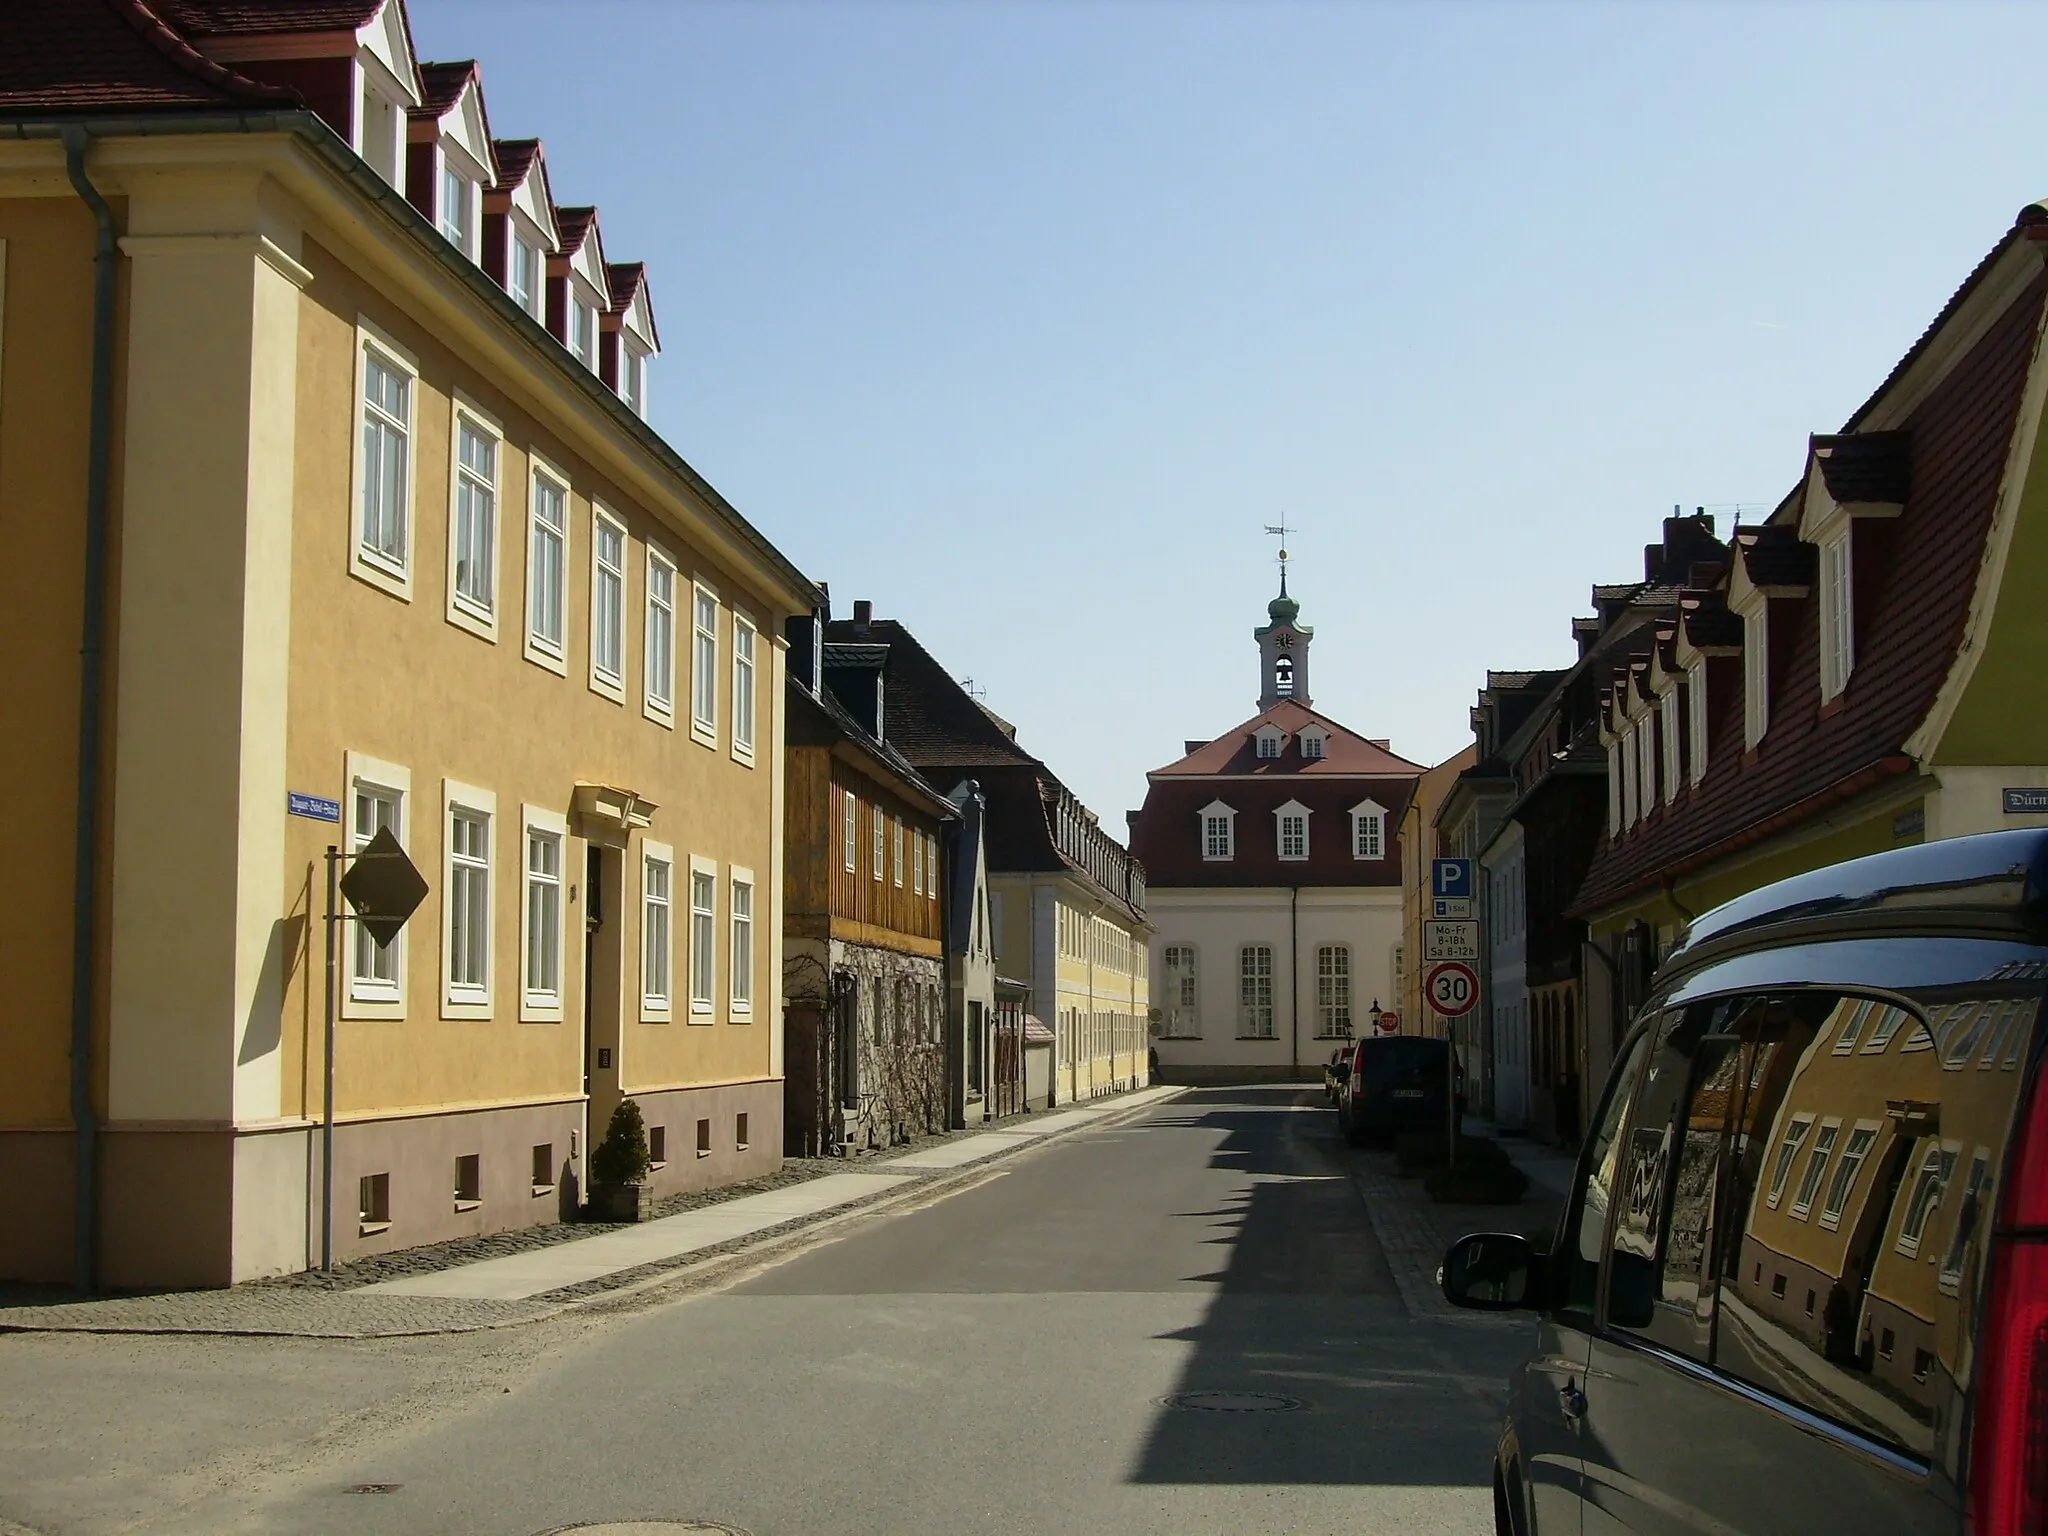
1375, 1015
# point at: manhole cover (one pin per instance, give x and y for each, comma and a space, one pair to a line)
643, 1528
1233, 1402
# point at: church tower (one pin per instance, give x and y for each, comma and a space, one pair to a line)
1283, 651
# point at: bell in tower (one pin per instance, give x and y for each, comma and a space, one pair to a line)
1283, 651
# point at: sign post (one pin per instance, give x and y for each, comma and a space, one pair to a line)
1451, 987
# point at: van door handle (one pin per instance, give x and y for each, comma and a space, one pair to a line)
1571, 1401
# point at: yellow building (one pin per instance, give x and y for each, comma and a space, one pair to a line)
341, 472
1417, 836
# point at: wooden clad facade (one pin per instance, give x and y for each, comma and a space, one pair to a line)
863, 858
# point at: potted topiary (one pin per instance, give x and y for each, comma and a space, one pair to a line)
619, 1190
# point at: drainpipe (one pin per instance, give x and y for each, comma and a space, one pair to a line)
1294, 981
85, 858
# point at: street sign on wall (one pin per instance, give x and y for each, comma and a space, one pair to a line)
1451, 906
1452, 940
1451, 878
1452, 988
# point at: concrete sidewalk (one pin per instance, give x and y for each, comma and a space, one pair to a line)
524, 1287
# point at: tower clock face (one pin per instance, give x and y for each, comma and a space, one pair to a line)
1284, 641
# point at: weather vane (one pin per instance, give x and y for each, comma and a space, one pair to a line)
1280, 531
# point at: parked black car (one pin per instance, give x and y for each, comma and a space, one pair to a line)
1802, 1282
1393, 1083
1337, 1068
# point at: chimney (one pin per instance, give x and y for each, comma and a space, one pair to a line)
863, 613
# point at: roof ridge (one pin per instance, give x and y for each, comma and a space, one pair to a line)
171, 43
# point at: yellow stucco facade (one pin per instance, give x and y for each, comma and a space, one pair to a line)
1086, 961
256, 651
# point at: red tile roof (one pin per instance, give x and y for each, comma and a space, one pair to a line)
515, 160
441, 85
1911, 610
1166, 833
572, 224
92, 55
211, 18
1345, 755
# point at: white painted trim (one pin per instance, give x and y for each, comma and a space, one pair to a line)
662, 713
1280, 815
1925, 741
611, 685
539, 650
462, 612
468, 1002
537, 1007
375, 570
704, 730
744, 752
658, 1010
738, 1008
702, 1009
374, 1002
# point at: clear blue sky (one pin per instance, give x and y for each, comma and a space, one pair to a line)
1022, 319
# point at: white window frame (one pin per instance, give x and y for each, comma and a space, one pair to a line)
1369, 831
1820, 1155
583, 327
931, 859
543, 650
1631, 778
362, 997
1646, 765
534, 299
703, 967
741, 936
609, 680
657, 1007
1668, 738
1756, 675
540, 1005
917, 866
1837, 613
1785, 1156
1932, 1170
373, 566
1255, 993
1269, 743
465, 611
457, 222
703, 664
746, 686
896, 851
1180, 970
1312, 742
1211, 817
633, 377
1615, 754
653, 647
1334, 1016
1696, 711
1855, 1152
1293, 810
468, 1000
851, 839
875, 838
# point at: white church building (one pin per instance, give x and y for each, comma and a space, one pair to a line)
1273, 879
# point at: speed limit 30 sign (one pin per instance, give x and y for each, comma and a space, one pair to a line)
1452, 988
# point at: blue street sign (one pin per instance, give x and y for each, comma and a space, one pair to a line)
313, 807
1450, 878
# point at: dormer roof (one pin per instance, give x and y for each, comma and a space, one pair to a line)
1234, 754
451, 111
522, 182
632, 308
582, 248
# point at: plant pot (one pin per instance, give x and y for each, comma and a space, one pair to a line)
621, 1202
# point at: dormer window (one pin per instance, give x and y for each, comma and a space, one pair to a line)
1270, 739
1219, 832
525, 285
1291, 828
1313, 740
458, 214
1368, 830
1269, 746
583, 333
1667, 729
633, 382
1696, 711
1756, 678
1837, 615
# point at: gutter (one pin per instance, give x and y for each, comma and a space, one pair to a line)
91, 657
329, 146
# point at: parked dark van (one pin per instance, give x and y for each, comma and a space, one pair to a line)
1395, 1083
1801, 1284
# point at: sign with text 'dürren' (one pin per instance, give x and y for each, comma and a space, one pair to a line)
384, 887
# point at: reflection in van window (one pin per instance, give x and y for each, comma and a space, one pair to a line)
1587, 1234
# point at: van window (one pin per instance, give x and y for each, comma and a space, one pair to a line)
1585, 1228
1856, 1183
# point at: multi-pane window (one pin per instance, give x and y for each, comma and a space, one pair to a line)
1255, 991
1630, 762
1646, 765
608, 602
1837, 616
373, 969
1788, 1150
1311, 746
742, 945
1293, 835
1333, 991
661, 635
1816, 1166
917, 866
703, 939
548, 565
1969, 1212
543, 917
1369, 835
469, 904
1216, 837
525, 287
657, 942
851, 836
1696, 723
743, 687
633, 381
1756, 676
455, 213
1667, 729
1936, 1164
583, 333
704, 669
896, 851
1854, 1151
387, 477
476, 515
1269, 745
875, 829
1614, 778
931, 863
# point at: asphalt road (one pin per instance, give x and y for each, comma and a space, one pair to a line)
998, 1361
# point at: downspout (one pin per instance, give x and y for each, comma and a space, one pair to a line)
85, 858
1294, 981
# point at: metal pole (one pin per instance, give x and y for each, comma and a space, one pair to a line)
327, 1070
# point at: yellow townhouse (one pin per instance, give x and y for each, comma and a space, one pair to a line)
328, 507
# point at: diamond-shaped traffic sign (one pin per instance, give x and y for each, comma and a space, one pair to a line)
384, 887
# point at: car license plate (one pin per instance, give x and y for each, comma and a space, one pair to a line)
1407, 1093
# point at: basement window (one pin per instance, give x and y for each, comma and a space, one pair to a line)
544, 1168
373, 1203
739, 1134
703, 1138
469, 1182
657, 1145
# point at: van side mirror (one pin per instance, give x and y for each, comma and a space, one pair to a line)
1493, 1272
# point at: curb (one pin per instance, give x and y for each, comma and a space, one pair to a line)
702, 1269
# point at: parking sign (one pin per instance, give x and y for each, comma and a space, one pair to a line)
1451, 878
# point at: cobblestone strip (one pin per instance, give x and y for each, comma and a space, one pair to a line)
1412, 1240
